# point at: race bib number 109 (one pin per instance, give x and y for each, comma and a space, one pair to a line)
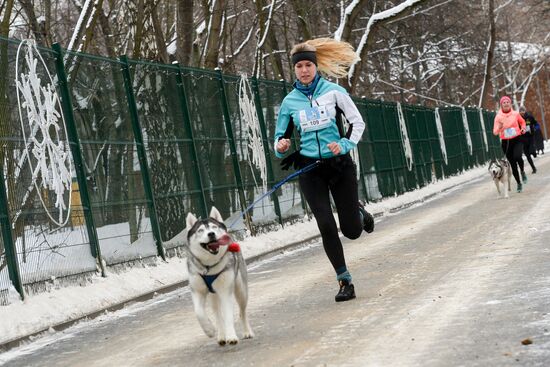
314, 118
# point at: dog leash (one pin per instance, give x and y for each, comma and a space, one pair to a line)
307, 168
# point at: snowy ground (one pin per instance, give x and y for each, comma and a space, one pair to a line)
58, 306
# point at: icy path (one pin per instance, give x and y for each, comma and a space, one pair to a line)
460, 280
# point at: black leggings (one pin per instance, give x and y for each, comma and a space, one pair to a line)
337, 177
513, 148
529, 148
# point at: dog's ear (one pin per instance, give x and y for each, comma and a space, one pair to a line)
190, 220
214, 213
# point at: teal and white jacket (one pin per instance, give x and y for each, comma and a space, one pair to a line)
305, 112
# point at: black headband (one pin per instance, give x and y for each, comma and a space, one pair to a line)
304, 55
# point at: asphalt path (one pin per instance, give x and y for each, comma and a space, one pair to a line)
461, 280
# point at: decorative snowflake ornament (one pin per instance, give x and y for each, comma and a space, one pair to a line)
44, 132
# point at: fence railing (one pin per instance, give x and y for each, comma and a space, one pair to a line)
147, 143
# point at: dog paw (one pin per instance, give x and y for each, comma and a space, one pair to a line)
248, 335
230, 341
209, 331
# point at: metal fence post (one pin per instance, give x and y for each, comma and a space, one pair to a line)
420, 149
270, 177
233, 148
360, 163
429, 142
76, 152
460, 130
189, 130
394, 180
144, 167
9, 245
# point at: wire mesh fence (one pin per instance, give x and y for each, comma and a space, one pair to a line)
106, 171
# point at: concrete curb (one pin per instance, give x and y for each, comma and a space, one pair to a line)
5, 346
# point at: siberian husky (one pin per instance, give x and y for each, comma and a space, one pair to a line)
215, 270
501, 172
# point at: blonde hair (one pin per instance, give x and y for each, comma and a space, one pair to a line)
333, 57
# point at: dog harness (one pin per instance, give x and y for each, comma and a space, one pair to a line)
210, 279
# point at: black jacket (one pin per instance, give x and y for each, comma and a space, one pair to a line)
530, 121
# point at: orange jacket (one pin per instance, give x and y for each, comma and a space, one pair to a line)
508, 125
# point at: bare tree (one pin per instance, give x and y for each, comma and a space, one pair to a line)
375, 21
185, 25
216, 15
484, 95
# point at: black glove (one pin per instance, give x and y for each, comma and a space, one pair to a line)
292, 160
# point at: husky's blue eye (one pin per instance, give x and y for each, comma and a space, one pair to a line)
200, 230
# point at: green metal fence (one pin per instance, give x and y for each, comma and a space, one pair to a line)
149, 143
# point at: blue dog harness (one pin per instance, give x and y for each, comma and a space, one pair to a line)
208, 280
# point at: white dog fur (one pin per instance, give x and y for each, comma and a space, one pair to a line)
207, 241
501, 173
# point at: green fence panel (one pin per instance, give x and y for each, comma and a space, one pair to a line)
117, 192
469, 157
420, 144
479, 155
9, 268
165, 124
228, 87
495, 150
142, 155
454, 140
375, 151
438, 162
368, 188
406, 177
43, 250
206, 111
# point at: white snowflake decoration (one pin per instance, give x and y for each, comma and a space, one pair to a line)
440, 135
405, 137
249, 114
482, 122
45, 126
467, 130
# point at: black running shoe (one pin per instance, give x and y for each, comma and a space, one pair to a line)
368, 219
346, 292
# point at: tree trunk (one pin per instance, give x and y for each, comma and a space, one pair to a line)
375, 22
343, 33
269, 43
484, 96
162, 53
140, 25
35, 28
299, 7
184, 26
213, 37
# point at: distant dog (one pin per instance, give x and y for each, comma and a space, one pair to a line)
214, 270
501, 172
